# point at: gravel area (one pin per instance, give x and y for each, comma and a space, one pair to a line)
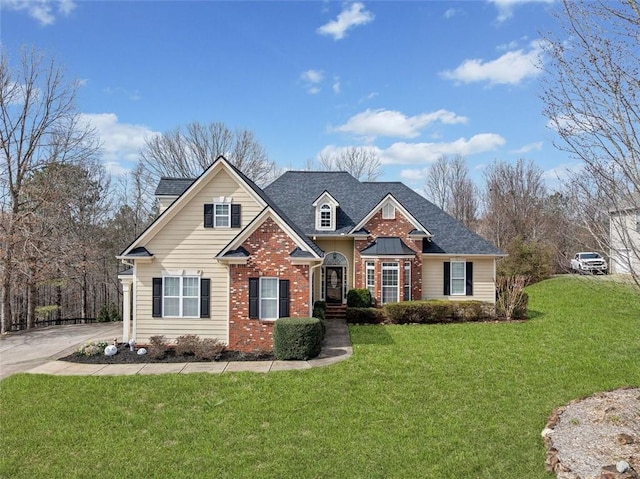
591, 433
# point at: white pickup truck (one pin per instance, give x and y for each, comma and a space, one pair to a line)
589, 262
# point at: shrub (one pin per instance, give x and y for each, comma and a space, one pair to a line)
92, 349
187, 344
320, 309
531, 259
359, 298
107, 313
296, 338
209, 348
512, 300
438, 311
157, 347
366, 316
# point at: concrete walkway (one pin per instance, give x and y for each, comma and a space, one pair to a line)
336, 347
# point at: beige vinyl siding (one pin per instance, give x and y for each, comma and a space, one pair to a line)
344, 246
184, 244
483, 278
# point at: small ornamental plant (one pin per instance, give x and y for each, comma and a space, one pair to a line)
92, 348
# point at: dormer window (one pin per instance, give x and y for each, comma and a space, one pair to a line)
326, 207
325, 217
388, 212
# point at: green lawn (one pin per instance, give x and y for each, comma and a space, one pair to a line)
444, 401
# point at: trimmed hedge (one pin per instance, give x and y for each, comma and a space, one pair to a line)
359, 298
297, 338
366, 316
438, 311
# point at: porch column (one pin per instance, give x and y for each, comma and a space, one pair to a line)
126, 310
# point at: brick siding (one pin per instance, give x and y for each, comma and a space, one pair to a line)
399, 228
269, 247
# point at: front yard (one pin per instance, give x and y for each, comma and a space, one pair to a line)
444, 401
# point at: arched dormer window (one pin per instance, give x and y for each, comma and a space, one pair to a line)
326, 208
325, 220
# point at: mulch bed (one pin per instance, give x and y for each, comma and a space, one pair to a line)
125, 356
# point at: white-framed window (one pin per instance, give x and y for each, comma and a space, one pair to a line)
325, 217
222, 215
181, 296
268, 298
388, 212
407, 281
458, 278
370, 272
390, 282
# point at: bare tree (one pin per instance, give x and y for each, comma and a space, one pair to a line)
361, 162
591, 96
39, 124
514, 202
448, 185
187, 151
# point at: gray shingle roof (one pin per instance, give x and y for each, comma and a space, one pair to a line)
173, 186
295, 191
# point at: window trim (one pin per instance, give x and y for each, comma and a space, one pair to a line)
325, 208
261, 298
181, 296
389, 266
370, 267
406, 286
463, 278
216, 215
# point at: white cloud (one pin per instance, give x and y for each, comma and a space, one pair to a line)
562, 172
511, 68
44, 11
402, 153
537, 146
414, 175
336, 85
373, 123
120, 142
312, 80
451, 12
418, 153
506, 7
351, 16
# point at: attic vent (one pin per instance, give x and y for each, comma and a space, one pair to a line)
388, 212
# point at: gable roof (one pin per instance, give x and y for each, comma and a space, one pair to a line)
295, 191
173, 185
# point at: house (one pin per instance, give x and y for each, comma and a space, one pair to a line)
226, 258
624, 239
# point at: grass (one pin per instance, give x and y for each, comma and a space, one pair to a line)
443, 401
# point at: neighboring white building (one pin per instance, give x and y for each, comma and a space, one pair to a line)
624, 232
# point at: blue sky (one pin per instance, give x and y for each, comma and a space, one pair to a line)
410, 80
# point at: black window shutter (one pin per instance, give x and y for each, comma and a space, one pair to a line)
235, 215
157, 298
469, 276
254, 293
447, 278
283, 298
208, 215
205, 294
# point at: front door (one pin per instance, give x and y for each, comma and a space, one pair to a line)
333, 286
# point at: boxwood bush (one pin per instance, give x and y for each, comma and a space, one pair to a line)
359, 298
320, 309
297, 338
438, 311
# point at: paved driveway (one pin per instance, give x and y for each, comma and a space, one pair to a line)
24, 350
